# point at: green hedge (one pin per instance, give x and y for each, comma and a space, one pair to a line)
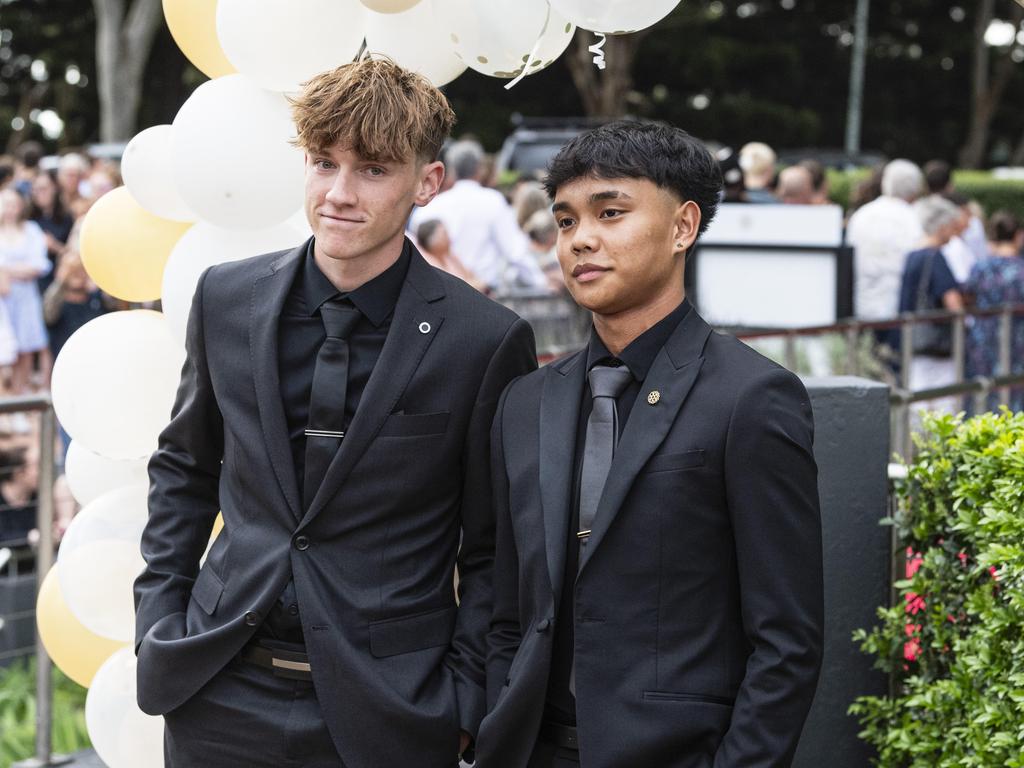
18, 713
991, 194
954, 643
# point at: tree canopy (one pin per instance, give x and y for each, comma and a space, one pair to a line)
730, 71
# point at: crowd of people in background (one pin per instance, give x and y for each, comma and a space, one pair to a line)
45, 296
918, 245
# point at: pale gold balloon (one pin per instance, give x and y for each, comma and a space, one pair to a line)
390, 6
73, 648
125, 247
193, 25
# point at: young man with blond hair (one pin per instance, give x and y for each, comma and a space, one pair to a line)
335, 406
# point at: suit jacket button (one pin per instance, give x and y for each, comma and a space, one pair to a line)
252, 618
543, 625
302, 543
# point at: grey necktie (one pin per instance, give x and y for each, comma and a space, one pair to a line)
324, 430
606, 384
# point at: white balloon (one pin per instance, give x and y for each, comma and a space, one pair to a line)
282, 43
122, 734
149, 174
90, 475
496, 37
390, 6
114, 383
205, 245
99, 560
415, 40
233, 163
614, 17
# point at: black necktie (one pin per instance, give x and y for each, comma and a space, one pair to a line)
324, 430
606, 384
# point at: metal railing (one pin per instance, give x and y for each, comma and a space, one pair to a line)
903, 397
43, 405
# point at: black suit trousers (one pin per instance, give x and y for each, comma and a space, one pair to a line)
248, 717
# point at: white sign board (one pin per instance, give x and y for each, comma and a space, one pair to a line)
771, 286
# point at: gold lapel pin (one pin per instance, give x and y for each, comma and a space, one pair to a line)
654, 397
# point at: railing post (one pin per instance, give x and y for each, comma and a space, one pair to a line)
981, 394
906, 350
959, 333
853, 349
44, 561
790, 351
1005, 339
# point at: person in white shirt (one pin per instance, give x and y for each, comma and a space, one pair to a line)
882, 233
482, 225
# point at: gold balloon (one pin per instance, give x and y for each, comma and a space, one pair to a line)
390, 6
125, 247
193, 25
218, 526
72, 647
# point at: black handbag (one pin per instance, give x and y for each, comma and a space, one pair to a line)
930, 339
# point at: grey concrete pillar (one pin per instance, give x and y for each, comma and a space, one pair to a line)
851, 445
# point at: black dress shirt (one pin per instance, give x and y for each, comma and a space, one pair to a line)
638, 357
300, 334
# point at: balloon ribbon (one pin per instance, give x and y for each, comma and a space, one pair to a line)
598, 50
533, 54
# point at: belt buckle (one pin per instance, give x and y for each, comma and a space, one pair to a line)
293, 666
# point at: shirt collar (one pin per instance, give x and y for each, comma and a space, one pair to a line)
639, 354
375, 298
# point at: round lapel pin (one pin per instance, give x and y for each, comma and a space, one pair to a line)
424, 327
654, 397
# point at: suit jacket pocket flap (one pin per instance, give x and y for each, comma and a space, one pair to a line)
405, 634
666, 462
414, 424
207, 590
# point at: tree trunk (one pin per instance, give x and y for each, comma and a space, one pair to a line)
124, 37
604, 92
986, 89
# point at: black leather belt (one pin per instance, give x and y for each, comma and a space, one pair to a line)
563, 736
290, 664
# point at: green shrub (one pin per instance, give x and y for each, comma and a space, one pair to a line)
18, 713
954, 643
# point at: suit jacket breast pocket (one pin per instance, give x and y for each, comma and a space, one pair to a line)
415, 424
673, 462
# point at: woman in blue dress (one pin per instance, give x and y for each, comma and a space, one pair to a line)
23, 260
997, 280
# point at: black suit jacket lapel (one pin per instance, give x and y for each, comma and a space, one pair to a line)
416, 321
672, 375
559, 417
268, 298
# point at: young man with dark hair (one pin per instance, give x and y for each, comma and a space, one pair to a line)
658, 582
336, 406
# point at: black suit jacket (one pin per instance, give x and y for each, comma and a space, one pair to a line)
698, 602
398, 669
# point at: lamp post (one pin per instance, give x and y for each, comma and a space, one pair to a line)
856, 101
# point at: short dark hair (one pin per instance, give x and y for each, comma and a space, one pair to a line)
1002, 227
937, 175
663, 154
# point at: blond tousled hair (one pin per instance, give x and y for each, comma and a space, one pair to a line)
376, 109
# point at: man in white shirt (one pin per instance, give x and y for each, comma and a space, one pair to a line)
882, 233
482, 226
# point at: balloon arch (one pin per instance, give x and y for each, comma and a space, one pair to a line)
194, 196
